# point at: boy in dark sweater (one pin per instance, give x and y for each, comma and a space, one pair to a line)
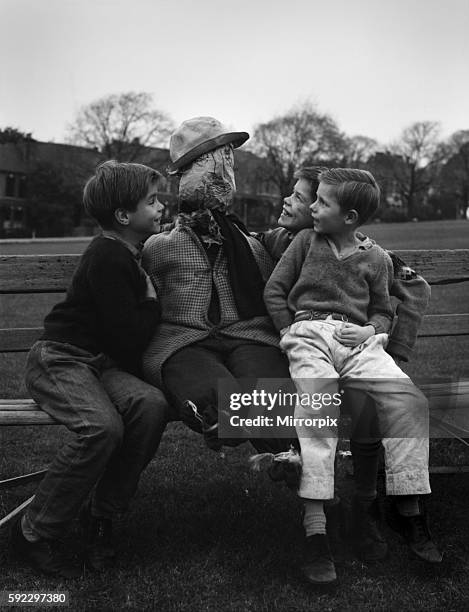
85, 371
329, 298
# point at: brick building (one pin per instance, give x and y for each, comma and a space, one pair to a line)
22, 162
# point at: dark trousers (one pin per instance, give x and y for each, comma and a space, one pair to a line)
117, 421
193, 374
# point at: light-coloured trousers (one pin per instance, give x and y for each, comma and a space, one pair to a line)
317, 363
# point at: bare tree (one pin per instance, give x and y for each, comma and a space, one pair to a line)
120, 126
416, 160
455, 174
300, 136
359, 149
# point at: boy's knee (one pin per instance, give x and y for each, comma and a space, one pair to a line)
107, 433
151, 407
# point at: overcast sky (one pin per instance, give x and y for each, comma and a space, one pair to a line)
375, 66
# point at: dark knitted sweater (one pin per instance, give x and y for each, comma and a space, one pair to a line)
106, 309
309, 276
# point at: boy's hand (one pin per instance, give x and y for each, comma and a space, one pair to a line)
150, 293
350, 334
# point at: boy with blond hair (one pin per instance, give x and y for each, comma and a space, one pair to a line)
329, 298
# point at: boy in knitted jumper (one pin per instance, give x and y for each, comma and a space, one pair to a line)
329, 298
413, 294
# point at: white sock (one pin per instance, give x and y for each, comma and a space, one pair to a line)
314, 521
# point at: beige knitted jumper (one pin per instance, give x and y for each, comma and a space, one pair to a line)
310, 276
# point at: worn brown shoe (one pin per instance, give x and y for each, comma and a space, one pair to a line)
318, 567
44, 555
415, 531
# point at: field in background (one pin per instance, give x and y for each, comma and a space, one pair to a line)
44, 246
207, 534
421, 235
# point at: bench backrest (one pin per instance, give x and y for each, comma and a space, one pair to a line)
20, 274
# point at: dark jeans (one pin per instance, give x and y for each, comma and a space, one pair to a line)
117, 421
193, 373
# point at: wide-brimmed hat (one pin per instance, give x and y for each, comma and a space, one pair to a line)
197, 136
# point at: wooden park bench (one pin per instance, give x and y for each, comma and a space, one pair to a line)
33, 274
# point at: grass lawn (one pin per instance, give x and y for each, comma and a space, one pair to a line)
205, 533
421, 235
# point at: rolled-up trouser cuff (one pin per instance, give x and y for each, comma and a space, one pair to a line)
316, 488
414, 482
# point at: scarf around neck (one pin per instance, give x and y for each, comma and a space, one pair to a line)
206, 193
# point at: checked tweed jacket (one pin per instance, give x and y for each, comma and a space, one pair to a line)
181, 272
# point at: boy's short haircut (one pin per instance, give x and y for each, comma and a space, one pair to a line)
116, 185
311, 174
355, 189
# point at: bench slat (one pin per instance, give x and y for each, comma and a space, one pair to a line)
36, 273
18, 404
52, 273
23, 412
26, 417
441, 395
438, 266
19, 340
444, 325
